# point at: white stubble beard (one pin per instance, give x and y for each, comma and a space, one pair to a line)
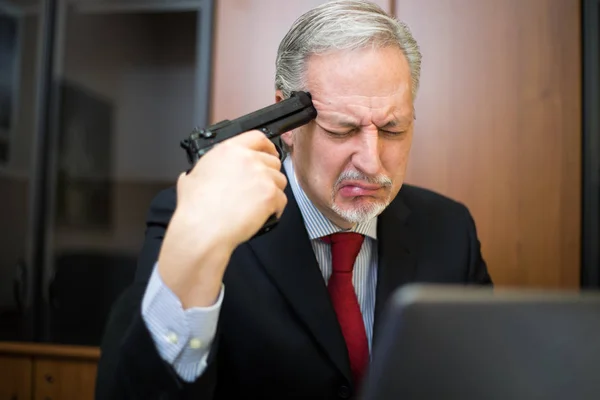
360, 213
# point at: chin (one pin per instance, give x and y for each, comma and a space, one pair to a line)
359, 212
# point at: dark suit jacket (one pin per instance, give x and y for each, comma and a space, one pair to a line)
278, 335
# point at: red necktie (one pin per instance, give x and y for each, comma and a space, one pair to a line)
345, 246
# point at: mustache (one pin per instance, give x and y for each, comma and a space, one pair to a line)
353, 175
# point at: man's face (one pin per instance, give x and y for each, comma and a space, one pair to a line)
351, 160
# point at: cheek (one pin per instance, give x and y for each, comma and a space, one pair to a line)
326, 163
395, 158
323, 162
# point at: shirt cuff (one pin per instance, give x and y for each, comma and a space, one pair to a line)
183, 338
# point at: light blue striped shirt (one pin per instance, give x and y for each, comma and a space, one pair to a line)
183, 337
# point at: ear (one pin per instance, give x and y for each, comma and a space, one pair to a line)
287, 139
278, 96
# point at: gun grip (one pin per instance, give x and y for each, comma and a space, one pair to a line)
268, 226
279, 147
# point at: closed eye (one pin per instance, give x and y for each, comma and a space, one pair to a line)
341, 134
400, 133
337, 134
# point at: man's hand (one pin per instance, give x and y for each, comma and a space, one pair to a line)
224, 200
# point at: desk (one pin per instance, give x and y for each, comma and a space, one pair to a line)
35, 371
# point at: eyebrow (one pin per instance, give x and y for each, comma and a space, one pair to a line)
345, 123
402, 121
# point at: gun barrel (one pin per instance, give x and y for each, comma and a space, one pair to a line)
275, 114
276, 128
273, 120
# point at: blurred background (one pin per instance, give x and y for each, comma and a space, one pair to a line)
95, 96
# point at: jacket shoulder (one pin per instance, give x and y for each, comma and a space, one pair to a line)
162, 206
419, 200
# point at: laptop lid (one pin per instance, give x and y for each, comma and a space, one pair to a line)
457, 342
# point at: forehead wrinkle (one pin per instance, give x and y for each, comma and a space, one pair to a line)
336, 118
357, 115
316, 95
360, 110
350, 102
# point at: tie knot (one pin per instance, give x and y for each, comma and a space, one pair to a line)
345, 246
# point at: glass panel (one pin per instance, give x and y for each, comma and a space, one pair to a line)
20, 25
127, 78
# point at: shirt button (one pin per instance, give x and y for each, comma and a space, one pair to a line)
344, 392
172, 337
195, 343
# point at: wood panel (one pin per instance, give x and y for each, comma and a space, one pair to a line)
58, 379
15, 378
498, 127
50, 350
247, 34
47, 371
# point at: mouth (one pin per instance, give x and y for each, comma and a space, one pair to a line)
357, 188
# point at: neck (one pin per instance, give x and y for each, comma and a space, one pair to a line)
337, 220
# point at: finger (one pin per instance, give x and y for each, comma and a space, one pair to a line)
278, 178
281, 202
269, 160
180, 179
255, 140
180, 185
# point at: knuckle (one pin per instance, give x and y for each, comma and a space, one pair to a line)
244, 157
257, 135
224, 150
227, 145
258, 168
181, 181
271, 192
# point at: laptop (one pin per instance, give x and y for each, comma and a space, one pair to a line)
457, 342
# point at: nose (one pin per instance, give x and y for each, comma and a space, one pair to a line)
367, 155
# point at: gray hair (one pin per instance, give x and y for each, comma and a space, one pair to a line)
341, 25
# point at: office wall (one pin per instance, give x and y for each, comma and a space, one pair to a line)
498, 127
247, 34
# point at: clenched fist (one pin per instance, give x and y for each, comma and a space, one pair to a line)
224, 200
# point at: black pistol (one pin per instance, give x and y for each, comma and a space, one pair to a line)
273, 120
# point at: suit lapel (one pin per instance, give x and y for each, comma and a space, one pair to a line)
397, 261
288, 257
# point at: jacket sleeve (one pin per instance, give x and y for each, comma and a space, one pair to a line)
478, 271
130, 365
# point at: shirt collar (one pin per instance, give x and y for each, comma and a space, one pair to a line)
316, 223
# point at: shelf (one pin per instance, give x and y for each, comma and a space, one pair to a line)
50, 350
